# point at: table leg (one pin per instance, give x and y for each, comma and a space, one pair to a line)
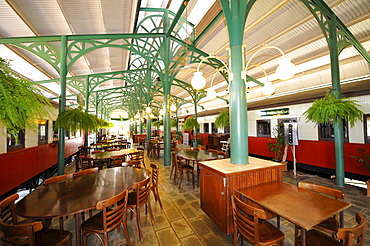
278, 221
78, 229
303, 237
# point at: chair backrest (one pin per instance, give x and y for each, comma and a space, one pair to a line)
97, 151
135, 163
175, 149
142, 190
86, 172
58, 178
113, 215
337, 194
357, 233
7, 212
19, 234
246, 219
222, 154
84, 150
155, 173
86, 163
179, 163
116, 161
212, 150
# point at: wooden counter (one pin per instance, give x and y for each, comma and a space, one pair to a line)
219, 179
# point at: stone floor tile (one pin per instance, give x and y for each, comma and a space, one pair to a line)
181, 228
168, 237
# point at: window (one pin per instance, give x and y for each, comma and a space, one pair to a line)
206, 127
263, 128
326, 131
15, 142
367, 127
214, 129
43, 132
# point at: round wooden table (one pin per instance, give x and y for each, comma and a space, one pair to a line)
74, 196
197, 155
109, 154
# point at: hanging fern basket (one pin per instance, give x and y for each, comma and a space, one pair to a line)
222, 120
331, 108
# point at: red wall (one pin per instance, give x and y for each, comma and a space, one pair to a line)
19, 166
317, 153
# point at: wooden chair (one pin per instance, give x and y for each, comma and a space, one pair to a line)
221, 155
32, 234
84, 150
114, 149
109, 218
86, 172
131, 164
86, 163
212, 150
55, 179
173, 162
184, 169
250, 222
350, 236
8, 215
116, 161
139, 197
97, 151
152, 148
154, 188
138, 156
101, 163
330, 225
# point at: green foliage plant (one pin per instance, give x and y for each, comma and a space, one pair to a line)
277, 144
363, 158
76, 119
21, 102
222, 120
331, 108
173, 123
191, 124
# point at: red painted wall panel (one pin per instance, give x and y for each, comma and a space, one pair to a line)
19, 166
317, 153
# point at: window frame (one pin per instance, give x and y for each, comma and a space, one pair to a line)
21, 145
40, 140
366, 132
268, 128
327, 127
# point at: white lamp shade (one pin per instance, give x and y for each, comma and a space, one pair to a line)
198, 81
268, 89
173, 107
286, 69
148, 110
211, 93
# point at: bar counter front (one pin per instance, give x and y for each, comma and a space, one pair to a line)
219, 179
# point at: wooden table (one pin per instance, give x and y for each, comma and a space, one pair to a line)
197, 155
108, 154
74, 196
302, 207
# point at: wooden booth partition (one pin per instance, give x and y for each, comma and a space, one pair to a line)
219, 179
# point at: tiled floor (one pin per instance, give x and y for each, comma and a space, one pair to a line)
182, 222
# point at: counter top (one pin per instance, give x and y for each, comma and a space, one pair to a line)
226, 168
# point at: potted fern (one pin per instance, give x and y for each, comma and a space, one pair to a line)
277, 144
333, 109
21, 102
222, 120
191, 124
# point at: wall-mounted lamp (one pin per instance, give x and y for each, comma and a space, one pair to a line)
173, 107
198, 82
161, 111
285, 71
148, 110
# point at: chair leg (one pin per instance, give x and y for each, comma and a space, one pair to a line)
156, 196
181, 174
125, 230
139, 222
235, 237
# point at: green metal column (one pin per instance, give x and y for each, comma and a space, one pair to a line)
236, 12
87, 97
148, 130
335, 78
238, 110
62, 102
166, 49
